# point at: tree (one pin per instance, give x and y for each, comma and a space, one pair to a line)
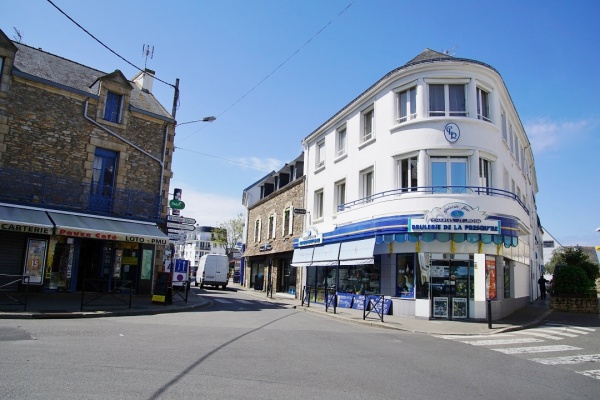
229, 234
574, 272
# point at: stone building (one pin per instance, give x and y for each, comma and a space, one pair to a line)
273, 222
85, 167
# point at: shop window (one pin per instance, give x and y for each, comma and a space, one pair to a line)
405, 276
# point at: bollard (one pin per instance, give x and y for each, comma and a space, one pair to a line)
489, 313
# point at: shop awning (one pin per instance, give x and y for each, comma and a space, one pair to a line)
17, 219
75, 225
357, 252
302, 257
326, 255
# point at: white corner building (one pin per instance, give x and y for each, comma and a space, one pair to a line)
422, 189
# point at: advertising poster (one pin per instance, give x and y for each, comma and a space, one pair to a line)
459, 308
490, 278
440, 307
35, 260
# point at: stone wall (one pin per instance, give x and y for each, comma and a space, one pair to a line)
577, 305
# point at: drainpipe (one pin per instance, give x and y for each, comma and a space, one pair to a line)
160, 161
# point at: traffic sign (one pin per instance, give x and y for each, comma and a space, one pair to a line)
176, 235
177, 204
180, 226
181, 220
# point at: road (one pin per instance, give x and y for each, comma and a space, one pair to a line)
245, 347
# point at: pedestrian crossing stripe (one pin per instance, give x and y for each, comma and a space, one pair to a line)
583, 328
539, 334
568, 360
593, 373
501, 341
554, 332
452, 337
536, 349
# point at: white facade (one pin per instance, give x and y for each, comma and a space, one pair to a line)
198, 243
435, 135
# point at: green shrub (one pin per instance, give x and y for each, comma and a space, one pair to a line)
572, 280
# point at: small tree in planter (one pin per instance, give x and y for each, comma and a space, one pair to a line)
574, 282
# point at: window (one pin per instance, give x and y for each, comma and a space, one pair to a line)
104, 173
511, 138
447, 100
517, 148
485, 173
368, 125
406, 170
271, 227
504, 130
449, 174
320, 156
340, 147
1, 65
407, 104
287, 222
340, 195
483, 107
367, 184
113, 107
318, 206
257, 231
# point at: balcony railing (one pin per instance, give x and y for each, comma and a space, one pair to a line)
477, 190
55, 192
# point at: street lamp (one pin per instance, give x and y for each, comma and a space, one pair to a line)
205, 119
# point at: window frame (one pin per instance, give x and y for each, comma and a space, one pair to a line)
341, 141
367, 121
447, 85
449, 174
318, 206
257, 229
286, 226
405, 172
320, 155
409, 104
109, 105
272, 222
367, 184
340, 194
485, 173
483, 104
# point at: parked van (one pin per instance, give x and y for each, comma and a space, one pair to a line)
213, 269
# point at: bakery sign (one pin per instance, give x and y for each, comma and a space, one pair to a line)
455, 218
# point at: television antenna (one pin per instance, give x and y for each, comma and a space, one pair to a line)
147, 51
447, 51
18, 37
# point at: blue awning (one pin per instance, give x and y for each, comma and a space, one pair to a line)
25, 220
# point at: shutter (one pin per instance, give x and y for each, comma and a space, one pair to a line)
12, 252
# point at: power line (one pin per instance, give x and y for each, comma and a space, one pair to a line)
275, 70
99, 41
225, 159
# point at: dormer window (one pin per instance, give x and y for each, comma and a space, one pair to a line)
113, 108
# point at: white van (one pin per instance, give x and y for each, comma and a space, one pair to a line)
213, 269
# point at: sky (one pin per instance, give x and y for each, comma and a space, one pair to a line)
272, 71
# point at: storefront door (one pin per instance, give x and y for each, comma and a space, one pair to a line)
451, 288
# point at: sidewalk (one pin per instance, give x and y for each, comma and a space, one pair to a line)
68, 305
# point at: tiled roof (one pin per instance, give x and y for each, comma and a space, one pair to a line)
71, 75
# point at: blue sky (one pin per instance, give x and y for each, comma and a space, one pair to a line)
272, 71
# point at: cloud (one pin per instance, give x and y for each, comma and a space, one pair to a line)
546, 134
266, 165
208, 209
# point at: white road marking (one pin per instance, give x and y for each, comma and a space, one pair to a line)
554, 331
451, 337
222, 301
539, 334
584, 328
501, 341
568, 360
536, 349
593, 373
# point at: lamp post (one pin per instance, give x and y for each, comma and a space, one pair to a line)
205, 119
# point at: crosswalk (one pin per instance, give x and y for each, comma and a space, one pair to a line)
540, 340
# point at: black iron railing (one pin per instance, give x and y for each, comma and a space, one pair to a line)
52, 191
103, 293
11, 290
476, 190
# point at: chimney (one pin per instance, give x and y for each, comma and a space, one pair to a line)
145, 80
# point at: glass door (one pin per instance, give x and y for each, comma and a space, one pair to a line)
450, 288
